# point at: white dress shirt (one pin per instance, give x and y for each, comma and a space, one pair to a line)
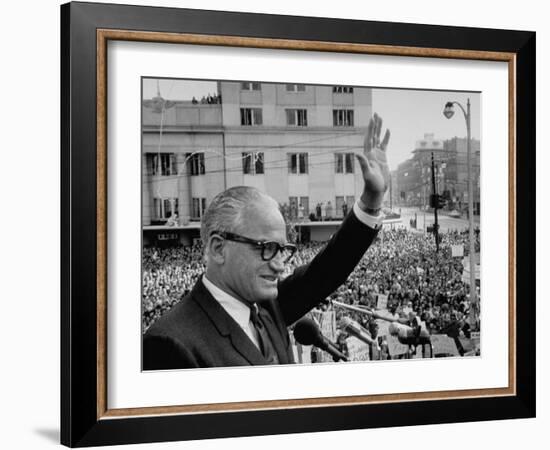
238, 311
375, 222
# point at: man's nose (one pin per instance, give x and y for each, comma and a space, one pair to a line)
277, 263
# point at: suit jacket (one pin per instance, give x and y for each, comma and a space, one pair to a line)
198, 332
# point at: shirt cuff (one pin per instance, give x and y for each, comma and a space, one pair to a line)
374, 222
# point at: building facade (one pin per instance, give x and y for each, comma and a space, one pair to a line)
295, 142
414, 176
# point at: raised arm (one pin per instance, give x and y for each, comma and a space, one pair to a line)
374, 166
312, 283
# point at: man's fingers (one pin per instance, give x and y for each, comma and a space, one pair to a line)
376, 131
368, 137
372, 137
379, 130
385, 141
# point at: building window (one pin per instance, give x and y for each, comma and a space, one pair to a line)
342, 117
342, 89
163, 208
296, 117
195, 163
295, 87
250, 86
161, 164
199, 206
251, 116
253, 163
344, 162
297, 163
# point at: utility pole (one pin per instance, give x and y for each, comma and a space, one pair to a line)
434, 188
473, 293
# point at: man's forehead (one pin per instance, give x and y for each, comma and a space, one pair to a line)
261, 207
263, 215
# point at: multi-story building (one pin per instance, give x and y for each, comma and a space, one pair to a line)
293, 141
456, 173
414, 176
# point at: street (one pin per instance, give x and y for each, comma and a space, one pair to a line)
424, 219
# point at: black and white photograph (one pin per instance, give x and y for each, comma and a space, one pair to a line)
292, 223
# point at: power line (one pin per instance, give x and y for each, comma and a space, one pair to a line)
263, 148
266, 165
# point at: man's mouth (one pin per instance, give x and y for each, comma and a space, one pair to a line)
272, 278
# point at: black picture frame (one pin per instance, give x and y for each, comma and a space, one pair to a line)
82, 422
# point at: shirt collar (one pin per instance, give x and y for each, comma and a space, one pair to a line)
235, 308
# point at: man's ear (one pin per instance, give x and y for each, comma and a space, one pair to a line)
216, 249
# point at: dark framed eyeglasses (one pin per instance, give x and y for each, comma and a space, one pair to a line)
269, 249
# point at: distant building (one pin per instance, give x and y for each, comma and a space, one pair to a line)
455, 175
414, 176
293, 141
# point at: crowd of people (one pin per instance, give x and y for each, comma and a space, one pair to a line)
167, 275
208, 99
402, 265
415, 277
323, 211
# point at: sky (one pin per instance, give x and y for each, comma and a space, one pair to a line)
409, 114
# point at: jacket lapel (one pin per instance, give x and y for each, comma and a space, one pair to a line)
226, 326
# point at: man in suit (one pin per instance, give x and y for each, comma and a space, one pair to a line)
238, 312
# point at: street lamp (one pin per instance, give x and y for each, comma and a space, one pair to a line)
448, 112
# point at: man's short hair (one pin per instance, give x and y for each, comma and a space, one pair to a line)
225, 212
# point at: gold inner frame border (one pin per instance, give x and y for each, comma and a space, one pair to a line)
103, 36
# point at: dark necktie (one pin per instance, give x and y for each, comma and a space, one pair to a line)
266, 346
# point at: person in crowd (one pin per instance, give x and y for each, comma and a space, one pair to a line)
329, 211
293, 210
285, 211
318, 211
172, 221
344, 209
300, 212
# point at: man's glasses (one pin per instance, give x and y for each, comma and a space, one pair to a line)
269, 249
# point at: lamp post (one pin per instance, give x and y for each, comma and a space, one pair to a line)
448, 112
